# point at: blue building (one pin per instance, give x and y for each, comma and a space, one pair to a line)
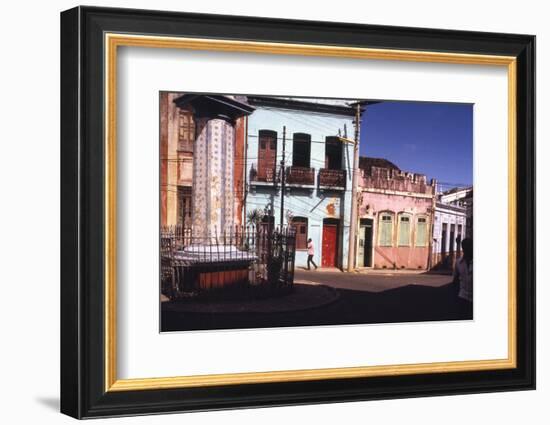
318, 166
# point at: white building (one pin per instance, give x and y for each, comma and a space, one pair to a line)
318, 165
452, 224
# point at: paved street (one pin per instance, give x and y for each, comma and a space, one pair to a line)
371, 281
385, 297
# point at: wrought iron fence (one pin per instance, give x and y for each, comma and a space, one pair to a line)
240, 257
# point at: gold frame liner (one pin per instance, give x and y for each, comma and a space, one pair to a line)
113, 41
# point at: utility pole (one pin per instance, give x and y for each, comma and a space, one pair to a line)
245, 173
283, 179
354, 206
432, 225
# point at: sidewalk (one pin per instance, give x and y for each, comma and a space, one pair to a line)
320, 270
372, 271
371, 280
395, 272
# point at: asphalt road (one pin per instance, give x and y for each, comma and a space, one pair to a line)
370, 281
363, 298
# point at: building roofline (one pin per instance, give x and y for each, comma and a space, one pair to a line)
365, 162
451, 207
220, 106
301, 105
457, 190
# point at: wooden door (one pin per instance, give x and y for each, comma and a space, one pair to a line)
267, 155
330, 245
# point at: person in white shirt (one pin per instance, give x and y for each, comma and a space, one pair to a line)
310, 254
464, 270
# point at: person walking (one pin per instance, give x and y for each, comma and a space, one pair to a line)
310, 254
463, 277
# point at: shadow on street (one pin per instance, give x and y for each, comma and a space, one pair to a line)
409, 303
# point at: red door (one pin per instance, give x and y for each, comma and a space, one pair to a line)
330, 245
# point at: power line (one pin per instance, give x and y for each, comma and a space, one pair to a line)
304, 121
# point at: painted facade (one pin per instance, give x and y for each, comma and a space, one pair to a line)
461, 197
395, 217
402, 224
317, 169
453, 223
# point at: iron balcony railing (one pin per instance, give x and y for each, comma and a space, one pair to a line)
295, 175
332, 178
300, 175
265, 174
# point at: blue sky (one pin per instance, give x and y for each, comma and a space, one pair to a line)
435, 139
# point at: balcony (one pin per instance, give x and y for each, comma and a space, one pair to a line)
300, 176
264, 176
332, 179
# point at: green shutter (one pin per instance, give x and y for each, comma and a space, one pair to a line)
421, 232
404, 230
386, 225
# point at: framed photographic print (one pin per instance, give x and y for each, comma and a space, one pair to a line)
261, 212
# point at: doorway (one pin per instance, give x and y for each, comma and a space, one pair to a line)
267, 155
330, 242
301, 150
364, 249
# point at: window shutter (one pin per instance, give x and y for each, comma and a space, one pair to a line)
267, 154
421, 232
300, 226
186, 135
404, 230
385, 227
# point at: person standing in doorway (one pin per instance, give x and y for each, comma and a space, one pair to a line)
310, 254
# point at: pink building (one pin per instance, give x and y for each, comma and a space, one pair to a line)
395, 217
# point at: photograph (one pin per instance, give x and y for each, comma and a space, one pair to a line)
263, 210
308, 211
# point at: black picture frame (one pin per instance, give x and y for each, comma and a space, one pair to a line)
83, 392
